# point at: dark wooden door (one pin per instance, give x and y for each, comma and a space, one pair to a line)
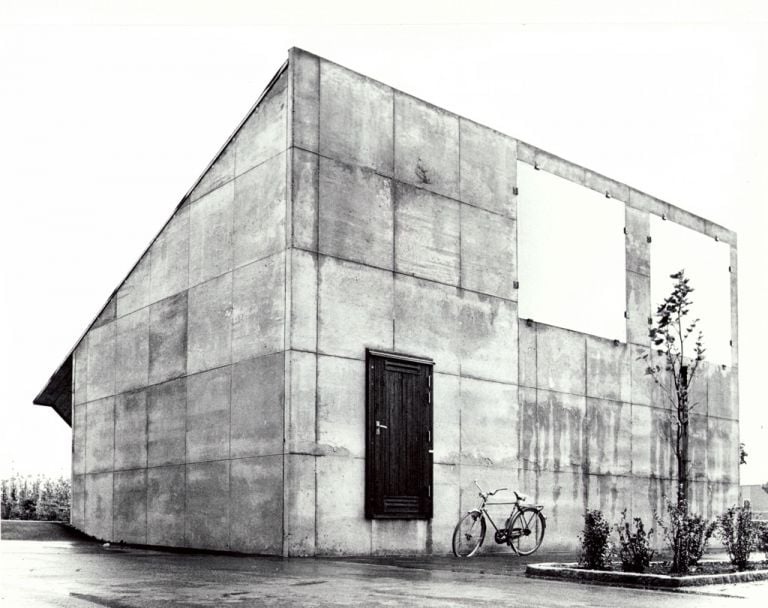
399, 434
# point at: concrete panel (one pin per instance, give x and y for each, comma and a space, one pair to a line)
605, 185
564, 497
77, 512
608, 370
561, 441
550, 163
446, 435
303, 331
260, 204
648, 497
258, 387
101, 362
645, 202
527, 354
134, 292
108, 313
734, 308
341, 406
79, 430
209, 330
258, 298
488, 169
488, 338
100, 436
356, 218
608, 431
526, 153
722, 496
638, 308
355, 307
131, 430
132, 351
80, 372
221, 172
489, 423
208, 505
169, 258
299, 505
427, 322
488, 253
426, 146
722, 395
638, 255
257, 505
168, 338
210, 234
306, 99
652, 442
264, 133
645, 390
304, 195
612, 494
98, 505
698, 447
130, 506
208, 414
166, 496
560, 360
356, 119
426, 235
723, 450
398, 536
166, 420
341, 525
528, 429
446, 501
300, 436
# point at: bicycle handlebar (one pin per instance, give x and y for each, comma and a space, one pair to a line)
485, 495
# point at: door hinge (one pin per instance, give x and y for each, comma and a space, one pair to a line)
429, 491
429, 436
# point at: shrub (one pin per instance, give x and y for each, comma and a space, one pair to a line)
762, 537
634, 547
595, 548
738, 533
687, 535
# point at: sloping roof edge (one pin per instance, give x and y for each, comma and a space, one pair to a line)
57, 392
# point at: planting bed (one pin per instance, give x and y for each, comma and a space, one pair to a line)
656, 576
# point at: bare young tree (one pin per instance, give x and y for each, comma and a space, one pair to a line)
669, 361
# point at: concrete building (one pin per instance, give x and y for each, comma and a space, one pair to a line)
322, 348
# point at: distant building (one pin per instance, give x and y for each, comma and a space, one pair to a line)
322, 348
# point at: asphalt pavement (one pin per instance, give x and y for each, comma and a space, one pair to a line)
84, 574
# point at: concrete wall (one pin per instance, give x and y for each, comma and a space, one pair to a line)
223, 387
404, 239
179, 385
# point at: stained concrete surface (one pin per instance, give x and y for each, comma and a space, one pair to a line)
85, 574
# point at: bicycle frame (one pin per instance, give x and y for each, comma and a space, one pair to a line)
518, 505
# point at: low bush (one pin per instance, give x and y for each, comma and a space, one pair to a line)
634, 544
687, 535
738, 533
595, 547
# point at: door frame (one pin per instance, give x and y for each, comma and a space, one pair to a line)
370, 432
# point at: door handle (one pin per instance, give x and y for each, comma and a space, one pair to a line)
380, 426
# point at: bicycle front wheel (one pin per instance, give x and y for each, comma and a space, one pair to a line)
527, 531
469, 534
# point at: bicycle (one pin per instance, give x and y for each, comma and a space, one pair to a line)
523, 531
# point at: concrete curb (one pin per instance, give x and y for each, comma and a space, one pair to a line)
631, 579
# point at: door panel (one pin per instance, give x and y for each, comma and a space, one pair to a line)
399, 433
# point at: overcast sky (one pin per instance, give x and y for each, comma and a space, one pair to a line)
109, 112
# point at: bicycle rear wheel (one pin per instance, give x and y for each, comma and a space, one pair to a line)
468, 535
527, 531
